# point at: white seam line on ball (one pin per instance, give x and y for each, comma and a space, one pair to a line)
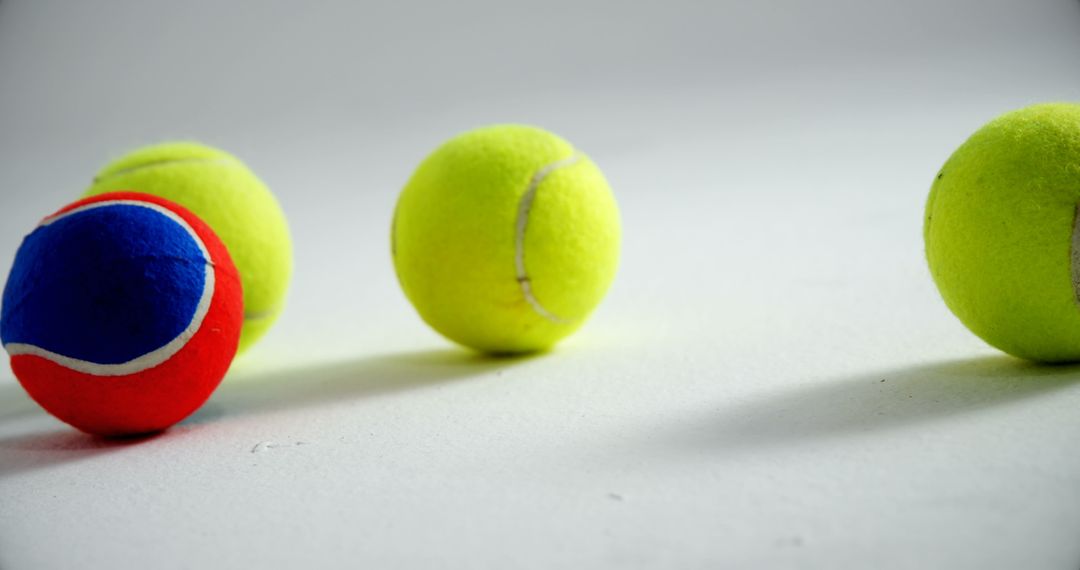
259, 315
156, 356
1074, 254
524, 208
170, 161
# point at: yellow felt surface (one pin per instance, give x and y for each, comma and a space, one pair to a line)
998, 229
221, 190
454, 239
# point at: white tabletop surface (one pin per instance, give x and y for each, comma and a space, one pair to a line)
772, 382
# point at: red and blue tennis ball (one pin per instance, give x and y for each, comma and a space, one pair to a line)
121, 314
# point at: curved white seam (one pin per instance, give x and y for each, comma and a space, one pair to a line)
524, 207
130, 169
154, 357
259, 315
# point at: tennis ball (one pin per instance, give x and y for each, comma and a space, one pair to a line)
506, 238
218, 188
1003, 236
121, 313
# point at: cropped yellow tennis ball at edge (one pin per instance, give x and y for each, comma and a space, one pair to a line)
506, 238
224, 193
1003, 235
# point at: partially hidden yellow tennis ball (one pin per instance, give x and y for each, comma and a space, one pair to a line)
1003, 236
506, 238
221, 190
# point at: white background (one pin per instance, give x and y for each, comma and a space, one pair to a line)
773, 380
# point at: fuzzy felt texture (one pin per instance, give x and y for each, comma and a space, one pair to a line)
154, 398
74, 290
243, 212
998, 229
506, 238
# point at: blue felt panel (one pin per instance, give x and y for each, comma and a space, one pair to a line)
104, 285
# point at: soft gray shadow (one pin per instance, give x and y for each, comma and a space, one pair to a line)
879, 401
333, 382
237, 396
39, 450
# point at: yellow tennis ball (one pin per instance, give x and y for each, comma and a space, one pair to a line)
1002, 232
506, 238
222, 191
